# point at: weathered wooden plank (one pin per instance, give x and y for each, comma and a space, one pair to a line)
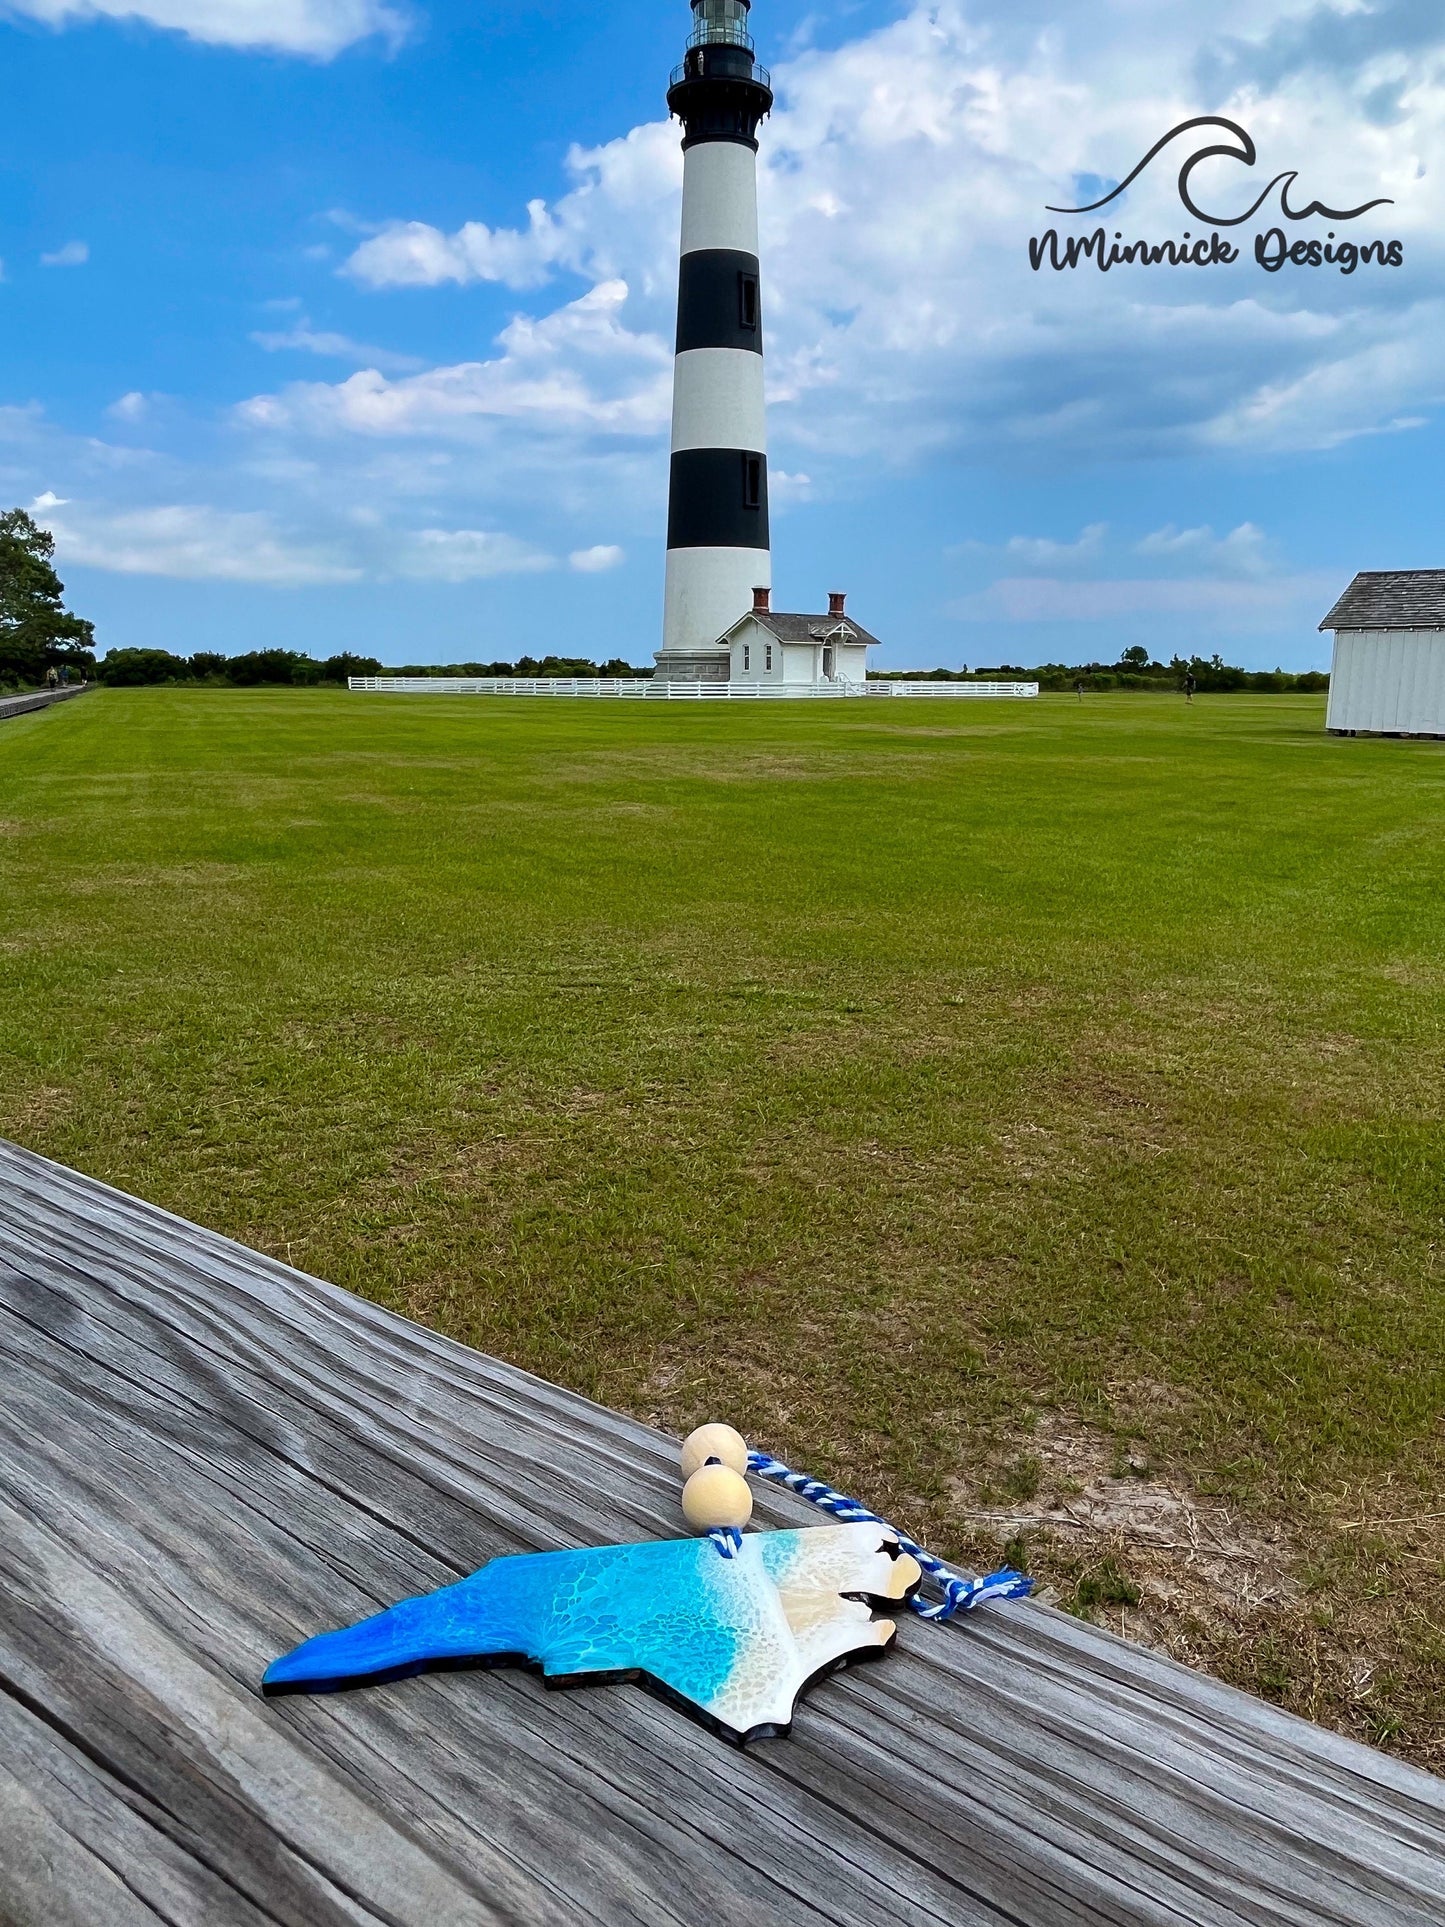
78, 1847
205, 1456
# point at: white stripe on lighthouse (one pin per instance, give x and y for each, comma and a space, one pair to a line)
707, 590
717, 399
719, 197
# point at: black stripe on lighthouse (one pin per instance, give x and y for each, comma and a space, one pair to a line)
717, 498
719, 303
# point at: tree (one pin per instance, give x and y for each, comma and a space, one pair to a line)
272, 665
207, 663
37, 632
1137, 657
130, 667
339, 668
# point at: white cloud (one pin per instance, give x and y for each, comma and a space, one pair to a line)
1042, 552
131, 407
1386, 365
409, 254
74, 254
601, 556
620, 219
1243, 551
785, 486
1211, 600
304, 339
1232, 581
194, 543
319, 28
578, 368
467, 555
327, 533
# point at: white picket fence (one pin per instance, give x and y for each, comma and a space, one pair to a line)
650, 689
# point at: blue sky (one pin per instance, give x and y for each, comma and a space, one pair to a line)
346, 324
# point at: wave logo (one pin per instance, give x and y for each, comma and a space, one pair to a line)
1273, 248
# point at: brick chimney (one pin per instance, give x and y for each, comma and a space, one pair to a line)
760, 601
836, 599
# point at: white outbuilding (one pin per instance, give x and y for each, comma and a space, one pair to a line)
1388, 673
767, 646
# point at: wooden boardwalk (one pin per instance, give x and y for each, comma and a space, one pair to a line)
39, 699
205, 1456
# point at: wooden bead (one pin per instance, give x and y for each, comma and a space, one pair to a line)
715, 1495
714, 1442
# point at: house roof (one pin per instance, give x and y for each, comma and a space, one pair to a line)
805, 628
1391, 599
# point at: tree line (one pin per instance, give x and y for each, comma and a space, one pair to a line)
289, 666
1135, 670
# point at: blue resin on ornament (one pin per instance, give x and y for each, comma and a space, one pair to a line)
737, 1638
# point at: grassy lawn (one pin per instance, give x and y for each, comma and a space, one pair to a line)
1026, 1115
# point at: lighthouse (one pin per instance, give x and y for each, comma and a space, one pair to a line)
717, 509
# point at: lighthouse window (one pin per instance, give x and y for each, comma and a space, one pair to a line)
752, 481
769, 662
746, 663
748, 300
724, 21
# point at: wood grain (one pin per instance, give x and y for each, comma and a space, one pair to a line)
206, 1456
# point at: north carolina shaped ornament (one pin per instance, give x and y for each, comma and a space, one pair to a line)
734, 1640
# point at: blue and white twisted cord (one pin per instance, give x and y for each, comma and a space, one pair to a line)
959, 1594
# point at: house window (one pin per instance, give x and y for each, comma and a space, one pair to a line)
752, 481
768, 663
748, 300
745, 655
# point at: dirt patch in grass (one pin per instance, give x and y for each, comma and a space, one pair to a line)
1326, 1609
39, 1110
1083, 1491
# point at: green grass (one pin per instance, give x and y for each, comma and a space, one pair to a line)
875, 1076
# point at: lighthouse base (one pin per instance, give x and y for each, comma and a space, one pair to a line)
707, 590
692, 665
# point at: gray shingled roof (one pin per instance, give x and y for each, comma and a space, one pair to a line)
806, 628
1391, 599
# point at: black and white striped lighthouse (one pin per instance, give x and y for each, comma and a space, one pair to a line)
717, 513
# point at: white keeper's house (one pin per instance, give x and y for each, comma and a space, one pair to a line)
770, 647
1387, 677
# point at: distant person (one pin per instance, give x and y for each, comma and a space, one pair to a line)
52, 681
1079, 689
1190, 685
